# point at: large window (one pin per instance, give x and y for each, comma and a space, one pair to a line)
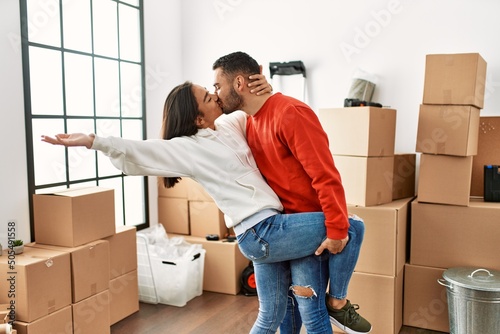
84, 72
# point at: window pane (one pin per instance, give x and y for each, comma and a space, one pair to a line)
50, 190
134, 200
105, 28
89, 82
76, 25
49, 160
43, 22
131, 90
132, 129
107, 87
106, 128
78, 83
132, 2
81, 160
130, 46
83, 185
45, 81
116, 184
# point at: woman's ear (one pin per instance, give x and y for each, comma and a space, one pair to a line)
199, 122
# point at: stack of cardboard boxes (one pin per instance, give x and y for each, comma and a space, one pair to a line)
81, 273
448, 228
448, 127
362, 143
379, 186
187, 210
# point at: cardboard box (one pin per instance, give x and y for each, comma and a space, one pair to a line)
384, 245
425, 301
360, 131
42, 281
196, 192
74, 217
123, 296
446, 236
488, 152
92, 315
89, 267
173, 214
366, 181
206, 218
448, 130
59, 322
444, 179
186, 188
374, 293
404, 176
180, 190
455, 79
122, 251
224, 264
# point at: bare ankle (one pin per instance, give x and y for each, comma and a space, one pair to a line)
336, 303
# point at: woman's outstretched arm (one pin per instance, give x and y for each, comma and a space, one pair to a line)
70, 139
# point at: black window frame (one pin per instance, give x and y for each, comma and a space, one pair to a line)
29, 117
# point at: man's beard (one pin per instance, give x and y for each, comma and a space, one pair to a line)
233, 102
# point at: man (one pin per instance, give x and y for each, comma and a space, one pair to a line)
292, 152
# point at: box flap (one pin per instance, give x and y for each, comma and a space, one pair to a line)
75, 192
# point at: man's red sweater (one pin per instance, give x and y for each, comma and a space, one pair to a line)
291, 151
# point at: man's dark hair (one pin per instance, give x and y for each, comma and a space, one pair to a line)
237, 63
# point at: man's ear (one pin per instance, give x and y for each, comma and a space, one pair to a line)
260, 68
239, 83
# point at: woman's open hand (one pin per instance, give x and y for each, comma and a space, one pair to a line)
71, 139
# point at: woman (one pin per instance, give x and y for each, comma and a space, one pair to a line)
201, 143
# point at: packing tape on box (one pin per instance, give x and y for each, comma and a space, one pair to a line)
5, 329
51, 305
92, 251
48, 261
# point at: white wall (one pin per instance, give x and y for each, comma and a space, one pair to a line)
388, 38
13, 170
163, 45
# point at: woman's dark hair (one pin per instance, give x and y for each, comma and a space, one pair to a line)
179, 118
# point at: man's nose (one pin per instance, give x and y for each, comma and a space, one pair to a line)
215, 96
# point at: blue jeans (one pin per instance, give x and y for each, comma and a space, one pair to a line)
282, 249
341, 266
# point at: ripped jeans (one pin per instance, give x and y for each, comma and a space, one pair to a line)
282, 250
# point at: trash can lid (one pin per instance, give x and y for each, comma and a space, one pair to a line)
474, 278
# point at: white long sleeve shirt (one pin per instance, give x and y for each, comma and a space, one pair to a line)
219, 160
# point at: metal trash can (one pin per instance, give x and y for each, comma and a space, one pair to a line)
473, 300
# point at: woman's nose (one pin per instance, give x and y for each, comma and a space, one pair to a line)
215, 96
